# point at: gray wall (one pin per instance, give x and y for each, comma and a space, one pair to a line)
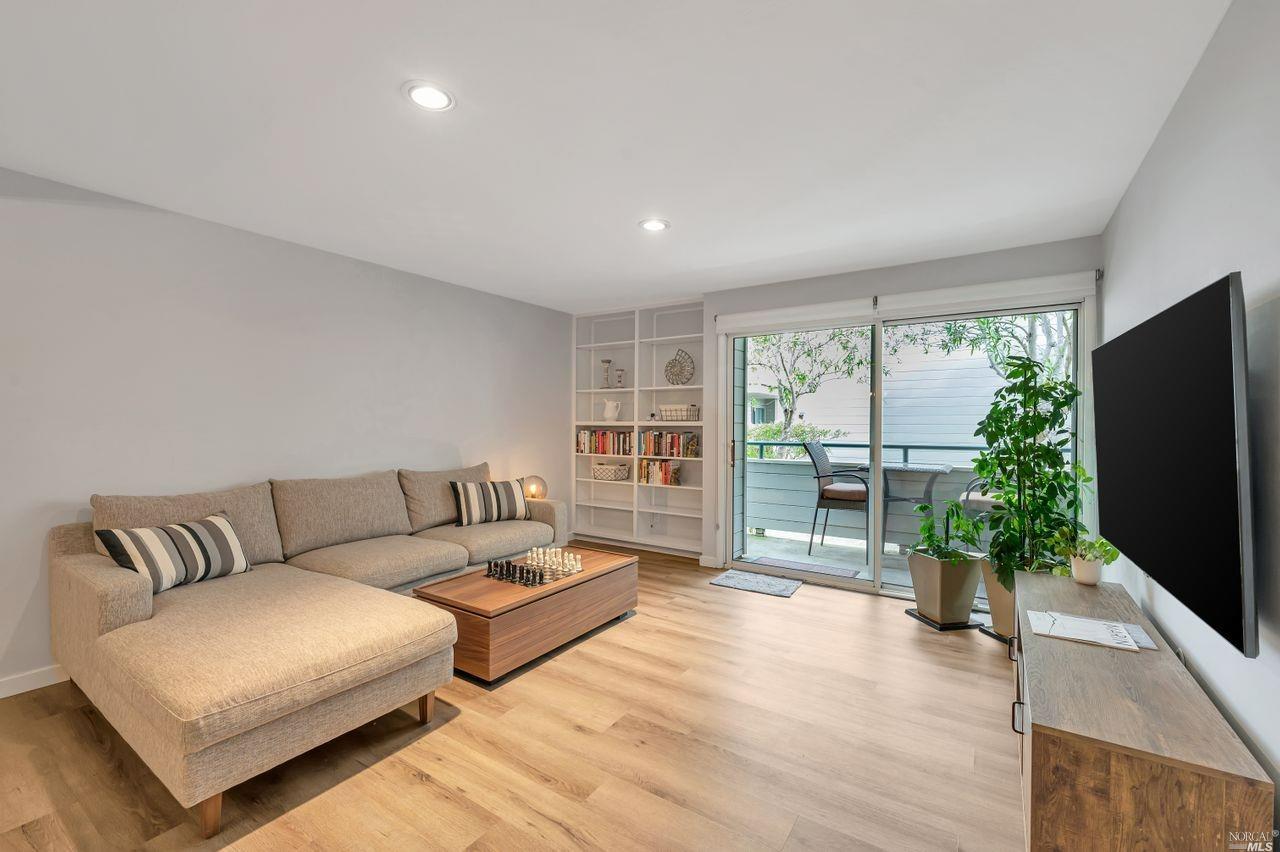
1014, 264
147, 352
1205, 202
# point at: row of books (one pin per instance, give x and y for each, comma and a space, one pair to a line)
685, 445
605, 442
658, 472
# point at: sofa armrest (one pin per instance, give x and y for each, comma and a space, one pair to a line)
90, 595
553, 513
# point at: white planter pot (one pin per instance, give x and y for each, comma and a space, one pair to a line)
1086, 572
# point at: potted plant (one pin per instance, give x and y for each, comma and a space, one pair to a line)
1026, 468
945, 577
1087, 555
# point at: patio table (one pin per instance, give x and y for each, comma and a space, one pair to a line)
934, 471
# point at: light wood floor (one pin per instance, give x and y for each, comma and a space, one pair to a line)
711, 719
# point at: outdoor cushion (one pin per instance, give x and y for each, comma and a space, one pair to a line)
492, 541
385, 562
319, 512
430, 499
249, 509
217, 659
855, 492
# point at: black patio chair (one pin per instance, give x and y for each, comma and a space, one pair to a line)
849, 496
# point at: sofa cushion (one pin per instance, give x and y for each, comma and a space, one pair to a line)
217, 659
176, 554
429, 498
385, 562
486, 502
249, 509
319, 512
492, 541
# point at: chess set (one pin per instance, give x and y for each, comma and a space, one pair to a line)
542, 565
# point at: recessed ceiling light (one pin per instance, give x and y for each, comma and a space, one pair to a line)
429, 96
655, 225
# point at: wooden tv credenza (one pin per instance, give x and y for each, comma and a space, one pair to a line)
1124, 750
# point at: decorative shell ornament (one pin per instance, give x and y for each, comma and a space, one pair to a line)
679, 370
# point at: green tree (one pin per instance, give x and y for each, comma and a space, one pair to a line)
1046, 338
801, 362
798, 432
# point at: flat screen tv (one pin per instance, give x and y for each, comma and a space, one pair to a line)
1170, 413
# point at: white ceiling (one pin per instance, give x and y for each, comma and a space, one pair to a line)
782, 139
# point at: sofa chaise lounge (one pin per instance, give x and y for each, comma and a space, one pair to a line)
214, 682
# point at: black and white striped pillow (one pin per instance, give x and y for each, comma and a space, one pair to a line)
176, 554
481, 502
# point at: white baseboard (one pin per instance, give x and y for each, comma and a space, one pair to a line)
34, 679
710, 562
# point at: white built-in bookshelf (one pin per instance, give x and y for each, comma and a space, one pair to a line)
641, 342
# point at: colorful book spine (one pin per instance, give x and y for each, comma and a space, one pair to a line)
681, 445
604, 442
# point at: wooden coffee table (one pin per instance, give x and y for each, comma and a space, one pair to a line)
502, 626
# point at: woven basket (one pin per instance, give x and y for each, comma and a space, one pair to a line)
610, 472
679, 412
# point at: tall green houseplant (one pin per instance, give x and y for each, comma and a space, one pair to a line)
1027, 468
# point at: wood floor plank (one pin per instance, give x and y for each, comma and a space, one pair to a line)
711, 718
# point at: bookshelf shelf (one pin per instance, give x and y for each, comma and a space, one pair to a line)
673, 338
639, 343
615, 344
674, 512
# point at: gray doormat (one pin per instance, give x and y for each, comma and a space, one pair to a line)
777, 586
811, 567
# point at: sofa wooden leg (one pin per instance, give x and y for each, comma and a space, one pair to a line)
211, 815
426, 708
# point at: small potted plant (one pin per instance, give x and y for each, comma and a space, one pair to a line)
945, 577
1087, 555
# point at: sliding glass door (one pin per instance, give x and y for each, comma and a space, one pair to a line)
802, 478
939, 380
888, 412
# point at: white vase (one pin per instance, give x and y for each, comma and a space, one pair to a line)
612, 408
1086, 572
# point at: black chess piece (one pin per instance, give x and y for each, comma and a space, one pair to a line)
542, 576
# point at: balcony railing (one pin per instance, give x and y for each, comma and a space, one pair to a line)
903, 449
781, 493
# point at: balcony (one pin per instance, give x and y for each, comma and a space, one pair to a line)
781, 495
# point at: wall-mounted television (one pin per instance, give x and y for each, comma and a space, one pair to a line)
1171, 417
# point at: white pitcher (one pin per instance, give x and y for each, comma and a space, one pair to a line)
612, 409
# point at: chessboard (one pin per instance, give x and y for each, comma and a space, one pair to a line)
541, 566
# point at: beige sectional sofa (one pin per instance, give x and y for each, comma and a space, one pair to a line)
214, 682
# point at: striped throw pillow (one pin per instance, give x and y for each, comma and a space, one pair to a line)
176, 554
481, 502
